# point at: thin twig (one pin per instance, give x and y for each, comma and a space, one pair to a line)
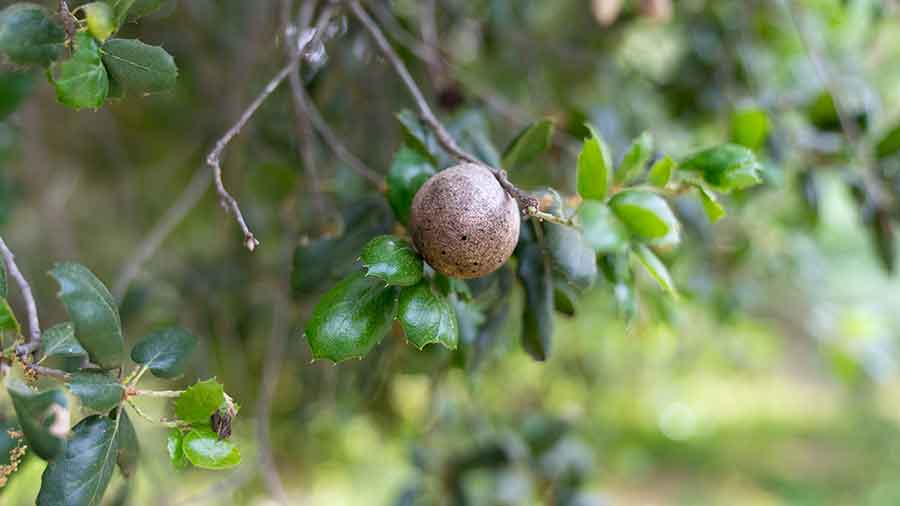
155, 393
47, 371
302, 126
214, 157
188, 199
848, 127
527, 203
34, 325
161, 421
333, 141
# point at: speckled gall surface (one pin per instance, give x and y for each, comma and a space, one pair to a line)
463, 222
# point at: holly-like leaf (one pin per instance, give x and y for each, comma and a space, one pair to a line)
204, 449
392, 260
645, 214
750, 127
15, 86
200, 401
81, 81
44, 417
427, 317
81, 476
409, 171
889, 143
534, 272
175, 447
661, 171
129, 10
655, 267
101, 20
570, 255
725, 168
711, 205
351, 318
98, 392
165, 352
594, 168
128, 447
8, 318
600, 227
139, 68
4, 288
29, 35
564, 297
636, 157
59, 341
528, 144
93, 311
416, 135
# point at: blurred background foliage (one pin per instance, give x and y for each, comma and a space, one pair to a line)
773, 380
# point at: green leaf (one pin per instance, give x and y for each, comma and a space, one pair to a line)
29, 35
8, 318
726, 167
81, 81
200, 401
528, 144
139, 68
204, 449
322, 261
427, 317
100, 19
44, 418
15, 86
120, 11
645, 214
175, 447
59, 341
655, 267
600, 227
351, 318
537, 319
97, 391
416, 135
93, 311
129, 10
661, 171
128, 447
564, 297
635, 159
409, 171
81, 476
889, 144
4, 289
750, 127
594, 167
711, 205
165, 351
570, 255
392, 260
143, 8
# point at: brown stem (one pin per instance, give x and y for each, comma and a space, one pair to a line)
527, 203
214, 157
34, 325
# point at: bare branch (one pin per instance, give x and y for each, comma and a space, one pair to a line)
47, 371
528, 204
34, 325
848, 127
302, 99
214, 157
